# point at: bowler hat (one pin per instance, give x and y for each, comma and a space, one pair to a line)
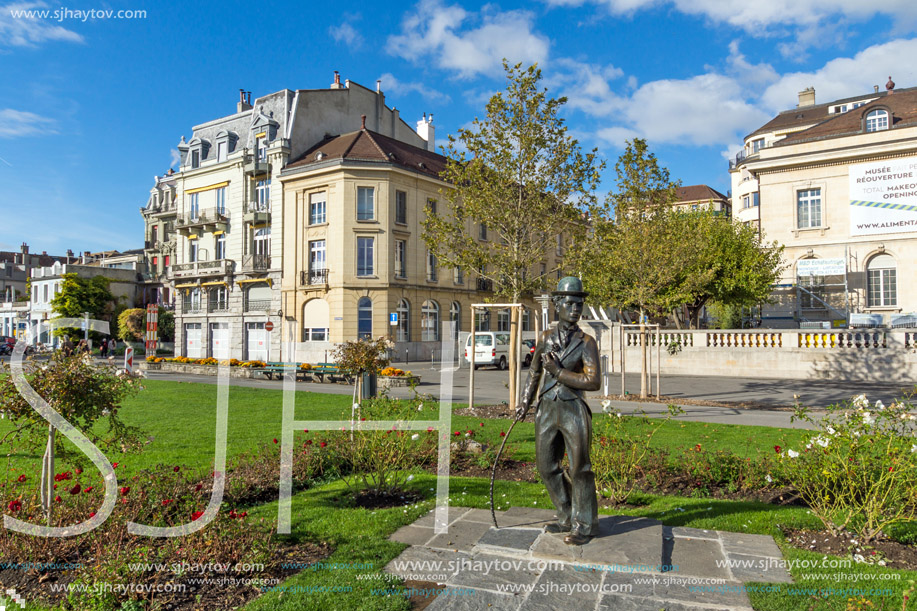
571, 285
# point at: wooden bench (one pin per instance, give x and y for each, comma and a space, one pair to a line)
331, 370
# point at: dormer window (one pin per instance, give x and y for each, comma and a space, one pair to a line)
226, 143
195, 159
877, 120
198, 149
261, 147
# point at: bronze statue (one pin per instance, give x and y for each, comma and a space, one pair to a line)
569, 360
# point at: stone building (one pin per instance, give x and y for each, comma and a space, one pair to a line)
836, 183
215, 228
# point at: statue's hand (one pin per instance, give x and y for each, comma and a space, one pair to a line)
551, 364
521, 410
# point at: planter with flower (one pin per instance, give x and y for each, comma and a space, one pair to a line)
391, 377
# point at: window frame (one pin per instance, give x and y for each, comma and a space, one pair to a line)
429, 311
314, 217
885, 280
400, 259
403, 328
219, 247
362, 203
809, 197
401, 207
880, 123
362, 270
362, 309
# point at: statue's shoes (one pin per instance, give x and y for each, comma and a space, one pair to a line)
576, 539
556, 527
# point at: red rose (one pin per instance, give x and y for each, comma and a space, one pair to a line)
114, 465
890, 469
457, 433
92, 514
166, 502
275, 440
21, 478
198, 487
78, 471
58, 499
15, 505
125, 490
88, 489
308, 442
777, 449
243, 514
76, 489
196, 515
175, 469
697, 448
482, 424
502, 433
429, 429
322, 444
305, 430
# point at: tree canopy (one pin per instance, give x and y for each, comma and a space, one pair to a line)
518, 173
79, 295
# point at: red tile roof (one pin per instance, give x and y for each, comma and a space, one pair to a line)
369, 146
694, 193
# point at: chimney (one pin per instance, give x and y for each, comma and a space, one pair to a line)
24, 248
378, 85
426, 131
806, 97
363, 122
875, 88
337, 81
242, 105
69, 255
44, 253
890, 86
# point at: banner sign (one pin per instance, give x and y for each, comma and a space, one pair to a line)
820, 267
865, 320
152, 328
883, 197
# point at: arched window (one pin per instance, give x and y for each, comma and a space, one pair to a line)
877, 120
404, 322
315, 317
455, 315
882, 281
429, 321
364, 318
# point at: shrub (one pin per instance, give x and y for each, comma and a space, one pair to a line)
858, 470
379, 460
617, 454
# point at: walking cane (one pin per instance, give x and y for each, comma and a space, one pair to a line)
493, 472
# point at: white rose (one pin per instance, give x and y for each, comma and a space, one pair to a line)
867, 418
821, 441
415, 437
860, 401
792, 453
768, 478
831, 430
879, 404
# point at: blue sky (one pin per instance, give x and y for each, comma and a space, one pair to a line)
91, 110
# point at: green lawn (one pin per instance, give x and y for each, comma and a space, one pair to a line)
180, 417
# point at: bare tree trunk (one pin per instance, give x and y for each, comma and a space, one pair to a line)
643, 363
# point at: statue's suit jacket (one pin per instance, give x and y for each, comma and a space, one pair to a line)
580, 362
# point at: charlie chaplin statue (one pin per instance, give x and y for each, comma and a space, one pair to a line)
569, 360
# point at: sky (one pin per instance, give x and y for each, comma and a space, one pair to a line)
92, 106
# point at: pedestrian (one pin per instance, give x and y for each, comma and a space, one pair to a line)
112, 346
82, 348
67, 347
103, 348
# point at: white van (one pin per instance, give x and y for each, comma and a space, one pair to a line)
490, 349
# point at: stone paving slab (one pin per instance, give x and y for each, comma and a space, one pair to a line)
453, 513
621, 568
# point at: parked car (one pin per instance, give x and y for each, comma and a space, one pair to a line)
490, 349
6, 344
528, 349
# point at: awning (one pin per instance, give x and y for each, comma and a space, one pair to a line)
207, 188
219, 283
186, 286
220, 232
252, 280
193, 236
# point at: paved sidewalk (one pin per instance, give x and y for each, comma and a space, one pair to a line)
635, 564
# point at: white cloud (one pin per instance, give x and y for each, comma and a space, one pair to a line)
846, 76
21, 25
586, 86
443, 33
14, 123
347, 34
391, 85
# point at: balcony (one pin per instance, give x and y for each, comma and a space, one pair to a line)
484, 284
189, 306
217, 306
199, 269
314, 276
257, 213
254, 167
257, 305
205, 222
256, 263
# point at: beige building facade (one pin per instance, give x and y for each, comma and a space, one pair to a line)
836, 184
354, 256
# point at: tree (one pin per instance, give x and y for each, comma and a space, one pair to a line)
132, 324
80, 295
635, 254
166, 325
518, 173
733, 265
